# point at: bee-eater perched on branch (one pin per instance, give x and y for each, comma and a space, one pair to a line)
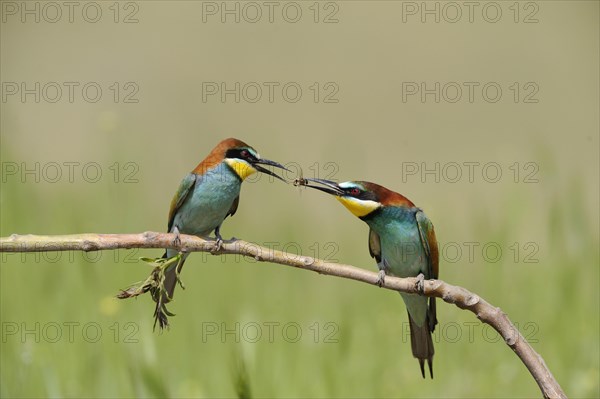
403, 242
205, 197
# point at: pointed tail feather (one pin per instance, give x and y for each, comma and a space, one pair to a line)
422, 344
171, 280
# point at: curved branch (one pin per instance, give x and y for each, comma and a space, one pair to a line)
456, 295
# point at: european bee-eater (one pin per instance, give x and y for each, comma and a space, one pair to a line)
205, 197
403, 242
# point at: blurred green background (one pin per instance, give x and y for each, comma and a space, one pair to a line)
267, 330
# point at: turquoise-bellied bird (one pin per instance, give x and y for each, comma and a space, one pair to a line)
205, 197
402, 240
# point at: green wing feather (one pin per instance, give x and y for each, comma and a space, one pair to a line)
374, 245
430, 245
234, 206
185, 188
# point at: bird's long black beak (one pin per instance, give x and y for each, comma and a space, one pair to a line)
327, 186
256, 166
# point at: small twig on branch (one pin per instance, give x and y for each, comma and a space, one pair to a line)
456, 295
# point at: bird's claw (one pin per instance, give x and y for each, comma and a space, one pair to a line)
380, 278
420, 284
177, 239
217, 248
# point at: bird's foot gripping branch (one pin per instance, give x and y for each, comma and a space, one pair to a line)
155, 284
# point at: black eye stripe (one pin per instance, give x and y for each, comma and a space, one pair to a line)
362, 194
239, 153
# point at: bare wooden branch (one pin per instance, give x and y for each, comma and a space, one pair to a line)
456, 295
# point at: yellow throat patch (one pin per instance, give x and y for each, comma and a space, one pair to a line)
358, 207
242, 169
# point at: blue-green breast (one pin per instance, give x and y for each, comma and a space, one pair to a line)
402, 251
207, 205
400, 240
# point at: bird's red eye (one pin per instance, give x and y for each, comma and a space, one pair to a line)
354, 191
245, 153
